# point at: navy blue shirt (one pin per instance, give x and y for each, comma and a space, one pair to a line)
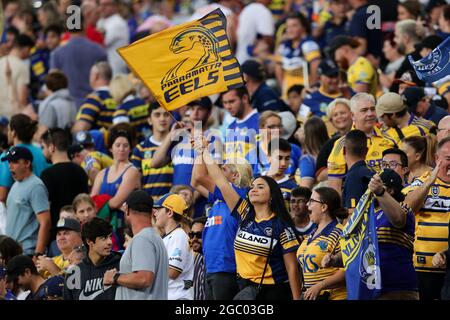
265, 99
355, 184
358, 28
435, 114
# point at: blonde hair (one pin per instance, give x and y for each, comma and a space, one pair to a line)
411, 29
334, 103
82, 197
120, 86
243, 169
266, 115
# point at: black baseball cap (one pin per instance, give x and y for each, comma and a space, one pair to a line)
140, 200
328, 68
68, 224
74, 149
17, 153
204, 102
253, 69
412, 96
392, 180
17, 265
84, 138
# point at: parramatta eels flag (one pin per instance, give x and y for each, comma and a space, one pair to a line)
436, 65
360, 255
186, 62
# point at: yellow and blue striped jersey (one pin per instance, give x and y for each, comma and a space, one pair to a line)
431, 224
155, 181
362, 72
417, 126
96, 160
311, 252
252, 243
135, 111
98, 109
377, 143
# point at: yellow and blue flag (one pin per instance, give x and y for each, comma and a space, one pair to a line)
436, 65
186, 62
360, 253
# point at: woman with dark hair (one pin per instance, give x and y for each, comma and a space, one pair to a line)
20, 133
265, 242
323, 283
119, 180
312, 136
420, 153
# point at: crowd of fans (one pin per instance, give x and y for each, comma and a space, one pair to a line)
104, 194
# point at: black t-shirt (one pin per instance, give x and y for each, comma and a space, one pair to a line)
64, 181
358, 28
355, 184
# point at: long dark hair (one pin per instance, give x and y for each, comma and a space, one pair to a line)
277, 204
332, 199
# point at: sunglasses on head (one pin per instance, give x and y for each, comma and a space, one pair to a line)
195, 234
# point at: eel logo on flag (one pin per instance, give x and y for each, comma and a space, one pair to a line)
436, 65
186, 62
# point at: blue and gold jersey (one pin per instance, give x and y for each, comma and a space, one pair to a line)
155, 181
98, 109
240, 138
316, 103
396, 252
39, 63
431, 224
252, 243
287, 184
417, 126
96, 160
362, 72
313, 250
135, 111
377, 143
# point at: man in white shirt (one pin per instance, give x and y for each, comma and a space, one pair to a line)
116, 33
170, 212
254, 19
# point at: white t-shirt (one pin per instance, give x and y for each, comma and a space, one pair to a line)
181, 258
117, 35
254, 19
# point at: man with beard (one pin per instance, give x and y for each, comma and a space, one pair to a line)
141, 276
361, 76
364, 116
195, 236
85, 280
408, 34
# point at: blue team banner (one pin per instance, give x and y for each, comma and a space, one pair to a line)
436, 65
359, 245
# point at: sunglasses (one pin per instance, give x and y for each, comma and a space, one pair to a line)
195, 234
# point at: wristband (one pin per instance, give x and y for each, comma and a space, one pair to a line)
115, 278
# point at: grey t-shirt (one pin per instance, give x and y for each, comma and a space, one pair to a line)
146, 252
25, 200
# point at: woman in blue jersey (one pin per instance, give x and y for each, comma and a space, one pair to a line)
262, 220
221, 227
122, 177
312, 136
323, 283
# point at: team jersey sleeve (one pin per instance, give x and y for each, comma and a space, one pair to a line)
137, 157
336, 162
241, 210
311, 50
90, 109
6, 179
178, 251
307, 167
288, 239
120, 115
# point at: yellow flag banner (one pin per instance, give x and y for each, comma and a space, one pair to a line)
186, 62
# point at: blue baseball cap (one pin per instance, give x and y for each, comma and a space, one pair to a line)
4, 121
2, 272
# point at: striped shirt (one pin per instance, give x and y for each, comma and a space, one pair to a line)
199, 277
98, 109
